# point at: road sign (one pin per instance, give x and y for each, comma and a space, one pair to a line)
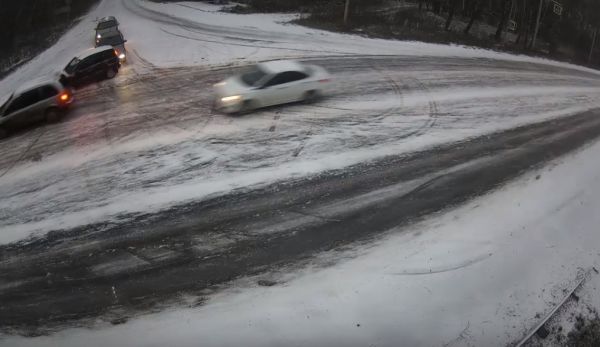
558, 8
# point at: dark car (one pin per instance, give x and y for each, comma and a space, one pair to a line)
106, 26
91, 66
116, 40
39, 101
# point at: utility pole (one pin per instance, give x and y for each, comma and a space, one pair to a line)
346, 9
537, 25
593, 44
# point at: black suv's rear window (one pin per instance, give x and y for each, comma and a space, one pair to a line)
106, 25
108, 54
111, 41
47, 92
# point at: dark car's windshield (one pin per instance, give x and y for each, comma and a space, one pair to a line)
110, 41
106, 25
252, 77
72, 64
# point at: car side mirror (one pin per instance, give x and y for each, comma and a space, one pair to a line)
124, 41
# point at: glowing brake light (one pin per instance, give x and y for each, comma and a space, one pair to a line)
64, 97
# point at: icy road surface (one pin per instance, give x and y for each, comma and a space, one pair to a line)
141, 143
482, 274
150, 137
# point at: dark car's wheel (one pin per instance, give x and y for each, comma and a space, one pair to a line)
3, 133
53, 115
111, 73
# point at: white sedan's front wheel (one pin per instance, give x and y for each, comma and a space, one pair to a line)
247, 106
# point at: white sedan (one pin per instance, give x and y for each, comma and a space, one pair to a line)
271, 83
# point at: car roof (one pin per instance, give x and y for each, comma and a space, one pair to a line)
35, 83
107, 19
278, 66
91, 51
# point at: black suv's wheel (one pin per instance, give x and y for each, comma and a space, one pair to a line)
111, 73
52, 115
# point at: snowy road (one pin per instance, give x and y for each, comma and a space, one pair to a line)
144, 198
153, 138
117, 270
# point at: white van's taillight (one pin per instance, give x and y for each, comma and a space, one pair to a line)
65, 97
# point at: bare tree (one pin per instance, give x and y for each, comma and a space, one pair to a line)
451, 8
476, 10
506, 6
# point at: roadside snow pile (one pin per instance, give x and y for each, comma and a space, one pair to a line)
232, 37
577, 321
480, 275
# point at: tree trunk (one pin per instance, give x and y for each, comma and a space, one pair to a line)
437, 7
522, 22
537, 24
451, 9
477, 8
503, 18
531, 25
346, 10
592, 49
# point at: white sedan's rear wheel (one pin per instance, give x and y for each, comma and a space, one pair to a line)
310, 96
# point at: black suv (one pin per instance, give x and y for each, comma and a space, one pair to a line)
91, 66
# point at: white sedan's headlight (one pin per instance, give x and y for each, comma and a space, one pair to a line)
231, 99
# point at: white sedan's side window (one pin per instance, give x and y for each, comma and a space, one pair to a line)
286, 77
293, 76
278, 79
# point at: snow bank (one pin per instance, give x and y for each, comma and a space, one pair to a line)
233, 37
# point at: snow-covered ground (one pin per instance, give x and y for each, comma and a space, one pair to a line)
477, 275
578, 311
471, 276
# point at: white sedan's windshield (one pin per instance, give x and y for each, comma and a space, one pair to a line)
253, 77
